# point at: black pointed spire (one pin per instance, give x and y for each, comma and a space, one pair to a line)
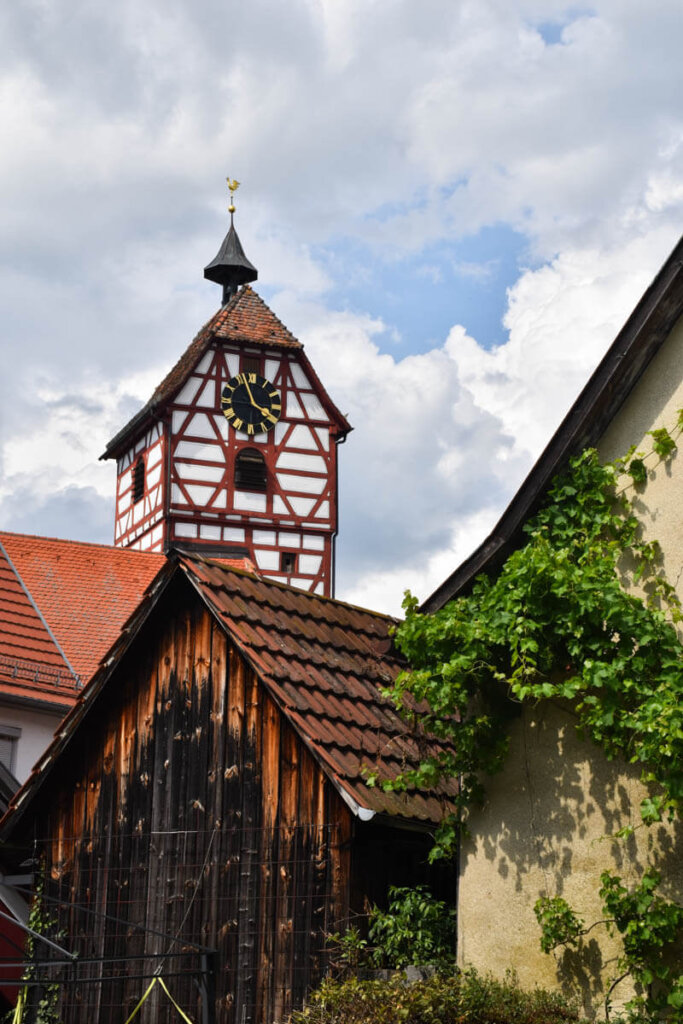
230, 267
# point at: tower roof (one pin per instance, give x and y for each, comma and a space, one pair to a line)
245, 318
230, 267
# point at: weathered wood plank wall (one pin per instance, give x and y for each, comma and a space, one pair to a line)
190, 806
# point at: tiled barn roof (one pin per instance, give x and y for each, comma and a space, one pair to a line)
84, 592
325, 663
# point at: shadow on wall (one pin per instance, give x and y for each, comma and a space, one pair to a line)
548, 829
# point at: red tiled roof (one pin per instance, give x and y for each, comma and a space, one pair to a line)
31, 665
325, 663
85, 593
245, 318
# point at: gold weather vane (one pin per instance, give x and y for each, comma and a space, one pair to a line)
233, 186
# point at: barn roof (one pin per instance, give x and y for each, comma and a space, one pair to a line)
324, 663
245, 319
622, 366
77, 597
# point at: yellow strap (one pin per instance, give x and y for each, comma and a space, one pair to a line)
19, 1008
181, 1012
151, 985
149, 989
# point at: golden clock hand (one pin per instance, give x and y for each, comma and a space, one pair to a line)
251, 398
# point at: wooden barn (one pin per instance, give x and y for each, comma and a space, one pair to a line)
202, 814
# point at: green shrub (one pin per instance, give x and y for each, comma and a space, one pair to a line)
417, 929
461, 998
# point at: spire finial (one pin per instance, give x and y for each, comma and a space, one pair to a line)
230, 267
233, 185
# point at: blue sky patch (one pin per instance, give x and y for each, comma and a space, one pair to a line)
420, 296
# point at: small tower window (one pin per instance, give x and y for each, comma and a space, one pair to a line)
287, 561
139, 480
251, 364
250, 470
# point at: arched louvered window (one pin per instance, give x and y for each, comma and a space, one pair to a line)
139, 480
250, 470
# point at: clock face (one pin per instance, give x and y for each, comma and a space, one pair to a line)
251, 403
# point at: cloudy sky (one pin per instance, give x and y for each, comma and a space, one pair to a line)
453, 203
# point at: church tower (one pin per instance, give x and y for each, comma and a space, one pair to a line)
235, 454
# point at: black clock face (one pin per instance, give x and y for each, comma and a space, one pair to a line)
251, 403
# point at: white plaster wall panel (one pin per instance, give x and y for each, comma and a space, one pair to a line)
195, 471
313, 543
118, 531
148, 505
250, 502
324, 510
221, 426
289, 540
304, 463
188, 391
298, 581
233, 533
293, 409
319, 588
314, 409
305, 484
232, 364
154, 457
299, 377
272, 368
267, 559
309, 564
157, 498
279, 431
177, 496
301, 506
185, 530
195, 450
207, 398
125, 481
140, 445
208, 532
199, 495
153, 477
145, 542
125, 501
157, 533
177, 420
205, 363
128, 522
301, 437
221, 499
138, 512
279, 507
200, 426
264, 537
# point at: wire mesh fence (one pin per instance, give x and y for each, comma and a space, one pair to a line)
234, 920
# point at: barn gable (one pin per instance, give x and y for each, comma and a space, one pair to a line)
209, 784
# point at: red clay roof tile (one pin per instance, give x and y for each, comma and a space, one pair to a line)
322, 662
85, 592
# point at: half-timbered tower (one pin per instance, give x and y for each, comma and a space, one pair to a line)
235, 454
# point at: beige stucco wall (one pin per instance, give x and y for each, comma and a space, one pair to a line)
545, 828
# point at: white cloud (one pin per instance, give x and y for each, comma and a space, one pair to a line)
380, 127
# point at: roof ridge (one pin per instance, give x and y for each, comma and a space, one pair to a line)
79, 543
384, 616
